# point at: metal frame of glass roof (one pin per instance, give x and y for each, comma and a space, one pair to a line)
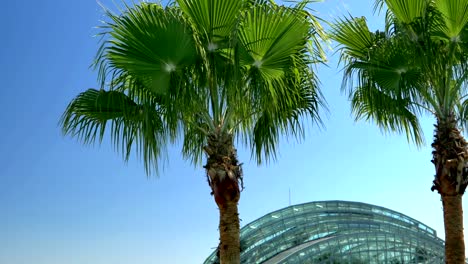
337, 232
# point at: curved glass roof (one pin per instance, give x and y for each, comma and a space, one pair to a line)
337, 232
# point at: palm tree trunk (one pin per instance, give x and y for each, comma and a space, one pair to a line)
453, 219
450, 156
229, 231
224, 177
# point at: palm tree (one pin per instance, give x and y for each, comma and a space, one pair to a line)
417, 65
209, 72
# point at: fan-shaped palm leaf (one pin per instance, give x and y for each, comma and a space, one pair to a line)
354, 35
387, 112
213, 19
455, 16
405, 11
152, 43
88, 115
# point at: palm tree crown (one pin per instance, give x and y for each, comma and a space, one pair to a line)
418, 64
188, 69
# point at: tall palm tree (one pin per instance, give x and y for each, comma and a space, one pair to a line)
417, 65
208, 72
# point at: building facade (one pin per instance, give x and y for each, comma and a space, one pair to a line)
336, 232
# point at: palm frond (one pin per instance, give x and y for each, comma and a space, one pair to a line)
88, 115
213, 19
279, 90
354, 38
463, 114
195, 137
407, 11
273, 45
388, 113
150, 42
287, 118
269, 36
382, 76
455, 15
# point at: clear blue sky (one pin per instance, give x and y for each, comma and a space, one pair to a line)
64, 203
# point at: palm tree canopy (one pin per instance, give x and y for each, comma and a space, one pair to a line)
416, 65
195, 67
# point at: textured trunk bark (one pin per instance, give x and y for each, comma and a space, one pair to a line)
224, 177
450, 157
229, 231
453, 219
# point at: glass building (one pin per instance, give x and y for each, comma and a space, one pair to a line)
335, 232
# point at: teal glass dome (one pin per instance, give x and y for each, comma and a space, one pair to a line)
336, 232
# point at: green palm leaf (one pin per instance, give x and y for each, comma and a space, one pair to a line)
152, 43
388, 113
390, 87
463, 110
269, 36
406, 11
213, 19
287, 116
354, 36
88, 115
455, 15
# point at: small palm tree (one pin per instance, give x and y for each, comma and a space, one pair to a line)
418, 64
209, 72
